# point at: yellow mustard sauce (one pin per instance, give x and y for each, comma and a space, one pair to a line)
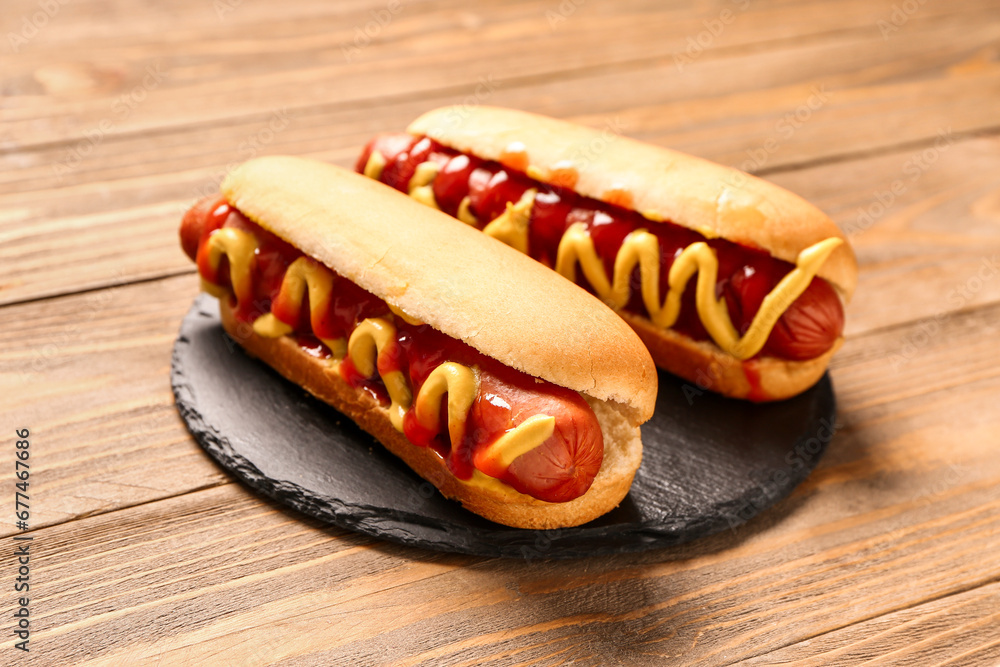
464, 213
366, 343
420, 188
461, 385
576, 248
481, 480
528, 435
511, 226
376, 163
642, 248
403, 316
240, 248
303, 275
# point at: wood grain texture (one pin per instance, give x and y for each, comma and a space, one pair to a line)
916, 462
116, 211
963, 629
103, 431
144, 552
930, 214
67, 78
220, 573
719, 107
925, 224
89, 376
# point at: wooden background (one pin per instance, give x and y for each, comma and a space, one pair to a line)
117, 114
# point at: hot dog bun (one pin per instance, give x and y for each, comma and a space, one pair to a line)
710, 368
448, 275
468, 286
662, 184
502, 504
665, 185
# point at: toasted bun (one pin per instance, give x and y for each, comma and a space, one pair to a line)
664, 185
622, 446
658, 183
450, 276
708, 367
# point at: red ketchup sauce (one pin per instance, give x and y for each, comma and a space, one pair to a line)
746, 275
559, 470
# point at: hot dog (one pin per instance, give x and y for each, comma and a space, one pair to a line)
506, 387
733, 283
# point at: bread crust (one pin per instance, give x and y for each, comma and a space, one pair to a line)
659, 183
450, 276
708, 367
622, 445
663, 184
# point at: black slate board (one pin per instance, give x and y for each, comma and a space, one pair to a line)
709, 463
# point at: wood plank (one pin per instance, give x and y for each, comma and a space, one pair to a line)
88, 375
962, 629
146, 553
78, 239
914, 454
742, 103
100, 431
923, 223
69, 78
219, 574
933, 244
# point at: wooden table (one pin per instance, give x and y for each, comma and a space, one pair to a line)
117, 115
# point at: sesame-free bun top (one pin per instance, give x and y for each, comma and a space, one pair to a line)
658, 183
450, 276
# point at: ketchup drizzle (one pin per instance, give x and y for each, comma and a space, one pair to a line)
806, 330
417, 351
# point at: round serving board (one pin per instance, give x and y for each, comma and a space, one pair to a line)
709, 463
